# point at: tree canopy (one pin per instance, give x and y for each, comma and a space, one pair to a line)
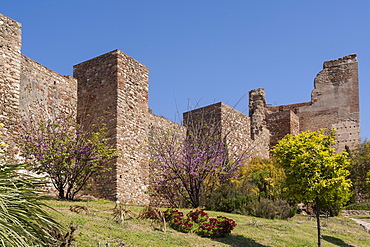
265, 175
314, 172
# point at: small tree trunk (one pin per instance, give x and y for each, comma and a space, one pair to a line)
61, 192
318, 222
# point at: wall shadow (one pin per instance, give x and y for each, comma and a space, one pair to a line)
336, 241
239, 241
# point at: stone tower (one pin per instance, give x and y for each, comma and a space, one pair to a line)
113, 88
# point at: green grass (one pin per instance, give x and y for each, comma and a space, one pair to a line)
99, 227
365, 218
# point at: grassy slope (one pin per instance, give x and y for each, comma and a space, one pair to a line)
250, 231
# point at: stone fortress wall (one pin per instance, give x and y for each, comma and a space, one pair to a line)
114, 89
10, 77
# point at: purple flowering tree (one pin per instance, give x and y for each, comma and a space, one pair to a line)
189, 164
67, 152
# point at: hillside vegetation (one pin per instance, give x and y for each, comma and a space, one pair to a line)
99, 226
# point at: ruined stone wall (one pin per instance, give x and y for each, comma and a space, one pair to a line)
10, 69
113, 88
334, 102
292, 107
45, 92
336, 87
159, 126
27, 86
260, 134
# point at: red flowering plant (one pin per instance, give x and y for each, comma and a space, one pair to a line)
198, 216
177, 221
216, 227
172, 213
199, 222
183, 225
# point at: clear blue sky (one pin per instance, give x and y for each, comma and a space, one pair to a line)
204, 51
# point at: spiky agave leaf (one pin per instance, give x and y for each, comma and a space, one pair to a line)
23, 220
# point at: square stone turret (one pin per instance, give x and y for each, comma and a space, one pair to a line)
113, 89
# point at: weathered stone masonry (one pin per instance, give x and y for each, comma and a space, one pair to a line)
334, 104
113, 89
10, 70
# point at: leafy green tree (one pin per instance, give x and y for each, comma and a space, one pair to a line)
314, 172
359, 169
68, 152
23, 220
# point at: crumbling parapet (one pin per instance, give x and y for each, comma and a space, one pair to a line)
258, 119
337, 85
257, 111
335, 102
334, 105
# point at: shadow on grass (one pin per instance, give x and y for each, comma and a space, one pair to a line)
336, 241
239, 241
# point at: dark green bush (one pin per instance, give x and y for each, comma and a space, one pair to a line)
359, 206
231, 199
269, 209
237, 204
266, 208
285, 209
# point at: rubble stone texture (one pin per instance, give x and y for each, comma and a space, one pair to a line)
10, 70
113, 89
334, 104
